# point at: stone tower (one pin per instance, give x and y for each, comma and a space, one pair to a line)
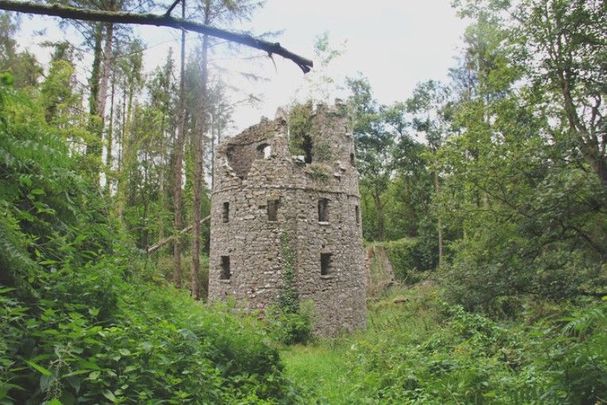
269, 188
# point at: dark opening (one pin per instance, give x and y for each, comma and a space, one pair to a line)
352, 160
323, 210
307, 148
272, 210
225, 268
226, 212
325, 263
357, 214
263, 151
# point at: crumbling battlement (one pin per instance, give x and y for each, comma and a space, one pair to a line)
263, 193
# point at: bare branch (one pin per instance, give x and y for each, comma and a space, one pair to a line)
164, 241
158, 20
170, 9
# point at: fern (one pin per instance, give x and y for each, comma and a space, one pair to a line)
584, 321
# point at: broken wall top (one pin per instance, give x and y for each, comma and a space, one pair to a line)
267, 155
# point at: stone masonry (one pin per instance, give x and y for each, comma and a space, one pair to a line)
263, 193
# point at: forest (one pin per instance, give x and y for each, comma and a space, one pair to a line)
487, 191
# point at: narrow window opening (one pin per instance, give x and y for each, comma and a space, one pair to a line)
323, 210
273, 210
307, 148
357, 214
325, 264
352, 160
264, 151
225, 268
226, 212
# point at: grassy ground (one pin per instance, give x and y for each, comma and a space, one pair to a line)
321, 369
419, 350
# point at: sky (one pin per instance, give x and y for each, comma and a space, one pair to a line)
394, 43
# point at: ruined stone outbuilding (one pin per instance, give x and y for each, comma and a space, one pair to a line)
269, 188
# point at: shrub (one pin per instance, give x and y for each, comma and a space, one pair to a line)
291, 327
407, 259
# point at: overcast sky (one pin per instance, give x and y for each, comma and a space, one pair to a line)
395, 43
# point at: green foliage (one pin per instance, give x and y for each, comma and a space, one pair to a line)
300, 128
80, 320
289, 328
419, 350
289, 322
407, 259
319, 172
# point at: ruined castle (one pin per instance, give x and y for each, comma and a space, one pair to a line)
274, 190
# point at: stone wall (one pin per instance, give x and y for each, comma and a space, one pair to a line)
256, 179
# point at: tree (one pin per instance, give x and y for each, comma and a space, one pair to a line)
23, 66
515, 184
431, 111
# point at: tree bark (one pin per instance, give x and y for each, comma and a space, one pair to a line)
198, 173
178, 165
379, 209
110, 140
439, 224
158, 20
105, 72
92, 147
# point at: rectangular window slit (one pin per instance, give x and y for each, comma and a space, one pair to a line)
323, 210
357, 214
225, 268
273, 210
226, 212
325, 263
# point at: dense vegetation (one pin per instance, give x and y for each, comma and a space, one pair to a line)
419, 349
487, 193
82, 319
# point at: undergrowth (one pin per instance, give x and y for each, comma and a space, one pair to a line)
82, 319
418, 349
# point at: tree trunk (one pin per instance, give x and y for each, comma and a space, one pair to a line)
178, 164
110, 141
127, 156
439, 224
105, 71
379, 210
92, 147
198, 174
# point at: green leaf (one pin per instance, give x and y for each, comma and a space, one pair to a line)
45, 372
109, 395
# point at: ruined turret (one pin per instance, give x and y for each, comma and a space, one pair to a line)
274, 191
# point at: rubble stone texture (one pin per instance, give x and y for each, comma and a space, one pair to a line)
263, 193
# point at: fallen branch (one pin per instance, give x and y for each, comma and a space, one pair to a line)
163, 242
157, 20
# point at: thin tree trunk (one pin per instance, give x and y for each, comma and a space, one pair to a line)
110, 140
105, 71
379, 209
127, 155
178, 168
197, 138
439, 224
92, 147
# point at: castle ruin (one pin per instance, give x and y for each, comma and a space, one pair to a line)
270, 187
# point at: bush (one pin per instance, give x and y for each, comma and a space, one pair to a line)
291, 327
407, 259
424, 351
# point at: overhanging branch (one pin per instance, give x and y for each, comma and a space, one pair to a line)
157, 20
